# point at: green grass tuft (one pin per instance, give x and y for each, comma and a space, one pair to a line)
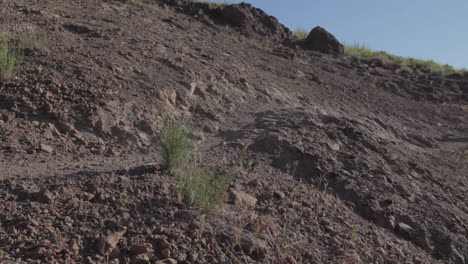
10, 59
201, 187
177, 144
300, 33
213, 3
360, 51
204, 188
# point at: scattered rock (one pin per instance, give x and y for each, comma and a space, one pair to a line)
44, 196
161, 49
138, 249
140, 259
166, 253
108, 243
253, 246
39, 253
87, 196
243, 198
279, 195
166, 261
46, 148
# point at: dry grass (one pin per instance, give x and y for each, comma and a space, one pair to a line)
301, 33
144, 4
360, 51
213, 3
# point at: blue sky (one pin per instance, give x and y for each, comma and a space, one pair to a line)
423, 29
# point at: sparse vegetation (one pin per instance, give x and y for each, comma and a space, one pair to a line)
10, 59
300, 33
12, 47
212, 3
177, 144
407, 64
33, 40
201, 187
144, 4
204, 188
124, 202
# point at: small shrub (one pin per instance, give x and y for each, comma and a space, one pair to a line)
301, 33
10, 59
177, 144
204, 188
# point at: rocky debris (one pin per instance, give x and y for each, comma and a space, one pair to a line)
106, 244
166, 261
39, 253
140, 259
44, 196
243, 198
253, 246
321, 40
138, 249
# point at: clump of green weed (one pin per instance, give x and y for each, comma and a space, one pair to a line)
177, 143
203, 188
124, 202
10, 59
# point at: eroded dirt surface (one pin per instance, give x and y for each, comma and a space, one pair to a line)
347, 161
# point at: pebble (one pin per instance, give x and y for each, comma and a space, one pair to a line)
46, 148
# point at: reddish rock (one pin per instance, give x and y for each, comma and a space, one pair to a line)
138, 249
244, 198
44, 196
39, 252
108, 243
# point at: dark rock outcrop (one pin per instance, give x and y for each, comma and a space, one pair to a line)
321, 40
250, 21
253, 21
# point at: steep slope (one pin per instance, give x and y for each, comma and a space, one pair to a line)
350, 162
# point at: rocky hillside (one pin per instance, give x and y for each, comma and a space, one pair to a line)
333, 159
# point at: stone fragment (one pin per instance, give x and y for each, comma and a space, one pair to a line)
244, 198
138, 249
46, 148
44, 196
108, 243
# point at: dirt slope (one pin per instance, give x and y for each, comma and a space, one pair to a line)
349, 162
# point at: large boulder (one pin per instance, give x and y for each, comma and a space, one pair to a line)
323, 41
